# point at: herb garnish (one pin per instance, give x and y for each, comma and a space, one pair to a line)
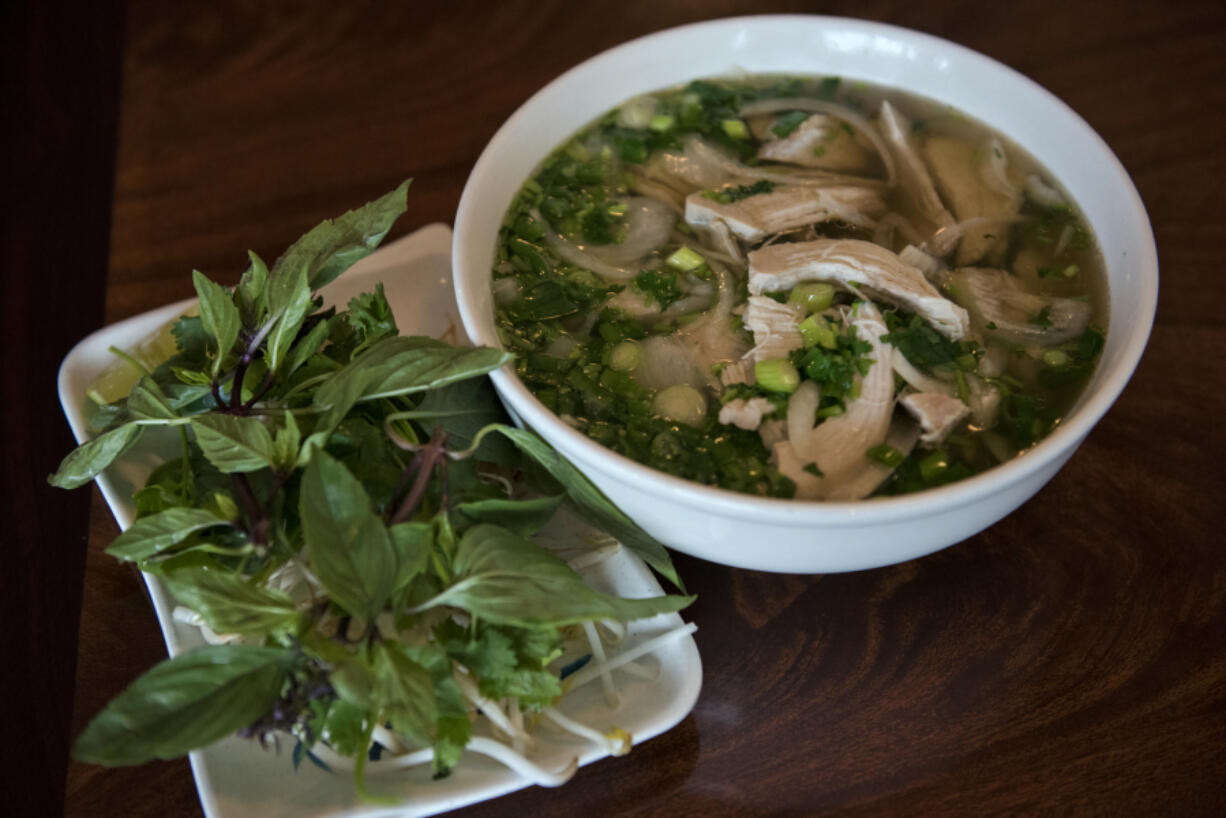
342, 508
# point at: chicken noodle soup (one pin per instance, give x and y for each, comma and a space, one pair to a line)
799, 287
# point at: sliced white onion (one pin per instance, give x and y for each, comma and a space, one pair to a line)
802, 412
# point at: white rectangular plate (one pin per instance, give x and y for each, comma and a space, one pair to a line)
235, 778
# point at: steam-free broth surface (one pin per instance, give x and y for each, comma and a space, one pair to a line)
800, 287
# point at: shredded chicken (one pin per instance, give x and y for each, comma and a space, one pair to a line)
860, 266
737, 372
956, 170
787, 208
774, 327
745, 414
1002, 309
913, 176
837, 445
938, 414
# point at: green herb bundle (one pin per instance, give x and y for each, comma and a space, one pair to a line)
351, 513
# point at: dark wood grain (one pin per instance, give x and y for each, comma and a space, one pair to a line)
1070, 659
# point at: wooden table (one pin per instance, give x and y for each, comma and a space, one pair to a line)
1070, 659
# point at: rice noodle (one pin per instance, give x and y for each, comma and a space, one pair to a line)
704, 152
994, 170
770, 106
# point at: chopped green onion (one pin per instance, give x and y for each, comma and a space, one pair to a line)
831, 411
886, 455
814, 296
661, 123
625, 356
1055, 357
812, 469
617, 209
682, 403
934, 464
816, 331
685, 259
735, 129
777, 375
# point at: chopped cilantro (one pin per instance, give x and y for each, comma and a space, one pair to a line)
812, 469
886, 455
789, 122
1042, 318
729, 195
658, 286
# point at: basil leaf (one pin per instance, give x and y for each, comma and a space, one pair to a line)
598, 509
85, 462
184, 703
291, 315
404, 693
403, 364
219, 316
412, 542
334, 245
307, 347
286, 443
231, 604
524, 517
431, 365
252, 290
351, 551
235, 444
149, 536
148, 401
463, 409
505, 579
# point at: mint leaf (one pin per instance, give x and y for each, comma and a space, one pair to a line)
235, 444
152, 535
351, 550
218, 314
85, 462
231, 604
505, 579
186, 702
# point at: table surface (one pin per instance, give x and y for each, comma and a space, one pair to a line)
1071, 658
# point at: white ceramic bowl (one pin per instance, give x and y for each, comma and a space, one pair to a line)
796, 536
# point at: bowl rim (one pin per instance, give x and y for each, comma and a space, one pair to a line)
1101, 393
